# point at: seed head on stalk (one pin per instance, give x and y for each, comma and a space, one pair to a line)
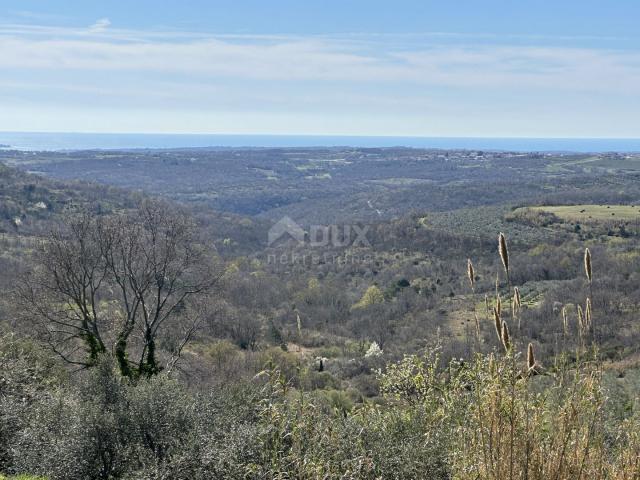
581, 319
533, 368
506, 340
516, 300
504, 253
587, 314
587, 264
471, 273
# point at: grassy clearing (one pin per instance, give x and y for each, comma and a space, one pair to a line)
611, 164
586, 212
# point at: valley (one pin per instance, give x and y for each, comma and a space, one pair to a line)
328, 315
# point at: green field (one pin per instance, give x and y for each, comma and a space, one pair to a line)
590, 212
596, 162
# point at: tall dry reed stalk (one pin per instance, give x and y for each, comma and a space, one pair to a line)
504, 253
588, 270
497, 322
519, 435
471, 274
516, 306
581, 323
587, 265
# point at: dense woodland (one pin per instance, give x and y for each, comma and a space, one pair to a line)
148, 329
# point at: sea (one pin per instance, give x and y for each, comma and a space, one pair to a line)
48, 141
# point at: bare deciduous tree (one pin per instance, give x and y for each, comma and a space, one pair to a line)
113, 283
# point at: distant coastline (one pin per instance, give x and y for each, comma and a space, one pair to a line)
31, 141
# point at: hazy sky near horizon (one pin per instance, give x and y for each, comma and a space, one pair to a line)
538, 68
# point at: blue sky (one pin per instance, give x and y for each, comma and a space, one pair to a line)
423, 68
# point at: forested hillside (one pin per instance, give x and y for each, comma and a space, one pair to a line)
153, 325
